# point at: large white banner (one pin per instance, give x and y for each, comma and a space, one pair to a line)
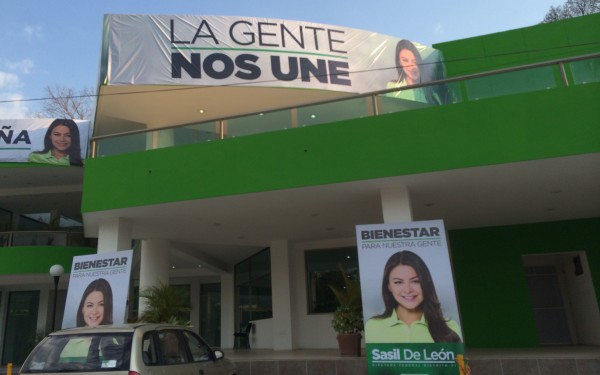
245, 51
98, 289
412, 324
45, 140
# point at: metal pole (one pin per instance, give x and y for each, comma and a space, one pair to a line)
55, 301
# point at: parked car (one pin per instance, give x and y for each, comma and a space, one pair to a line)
132, 349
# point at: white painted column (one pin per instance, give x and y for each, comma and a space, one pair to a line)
114, 234
281, 290
395, 203
154, 266
227, 310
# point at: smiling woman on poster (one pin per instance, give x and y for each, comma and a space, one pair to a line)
412, 70
413, 312
62, 145
96, 306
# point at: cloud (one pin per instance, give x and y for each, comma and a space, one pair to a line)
24, 66
439, 29
11, 107
9, 80
33, 32
11, 104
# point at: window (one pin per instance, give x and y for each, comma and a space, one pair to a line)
253, 288
200, 351
172, 348
91, 352
149, 354
323, 270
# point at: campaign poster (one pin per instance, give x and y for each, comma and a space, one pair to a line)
248, 51
98, 289
53, 141
412, 322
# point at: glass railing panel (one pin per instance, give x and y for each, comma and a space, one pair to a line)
188, 134
511, 83
121, 144
45, 238
5, 239
39, 239
399, 101
489, 86
258, 123
422, 97
585, 71
335, 111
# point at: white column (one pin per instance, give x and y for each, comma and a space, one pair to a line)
281, 290
114, 234
227, 310
160, 138
395, 203
154, 266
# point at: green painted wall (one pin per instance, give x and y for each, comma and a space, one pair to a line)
490, 281
543, 124
494, 301
38, 259
572, 37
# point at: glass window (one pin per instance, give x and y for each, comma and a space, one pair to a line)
323, 270
81, 353
200, 351
172, 348
149, 354
253, 297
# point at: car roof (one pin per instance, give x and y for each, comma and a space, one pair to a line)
117, 328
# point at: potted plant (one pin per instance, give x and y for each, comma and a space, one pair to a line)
165, 304
348, 318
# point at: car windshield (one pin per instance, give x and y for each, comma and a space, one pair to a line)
81, 353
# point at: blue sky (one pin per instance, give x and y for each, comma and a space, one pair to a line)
48, 42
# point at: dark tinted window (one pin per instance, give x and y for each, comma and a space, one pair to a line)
149, 352
172, 348
323, 270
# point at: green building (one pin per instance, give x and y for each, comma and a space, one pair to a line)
248, 196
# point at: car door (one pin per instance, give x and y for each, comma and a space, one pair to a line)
173, 353
202, 356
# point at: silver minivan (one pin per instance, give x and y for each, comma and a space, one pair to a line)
131, 349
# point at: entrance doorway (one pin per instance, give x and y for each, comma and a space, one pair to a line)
563, 298
20, 329
210, 313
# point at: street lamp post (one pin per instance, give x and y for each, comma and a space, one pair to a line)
56, 271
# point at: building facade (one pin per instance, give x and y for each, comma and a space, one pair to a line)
251, 210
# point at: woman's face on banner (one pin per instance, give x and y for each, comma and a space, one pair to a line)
93, 309
405, 286
408, 62
61, 138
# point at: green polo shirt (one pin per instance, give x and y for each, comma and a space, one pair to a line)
47, 158
392, 330
416, 94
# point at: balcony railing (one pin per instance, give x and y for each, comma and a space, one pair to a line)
526, 78
44, 238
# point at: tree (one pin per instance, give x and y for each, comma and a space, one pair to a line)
570, 9
64, 102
